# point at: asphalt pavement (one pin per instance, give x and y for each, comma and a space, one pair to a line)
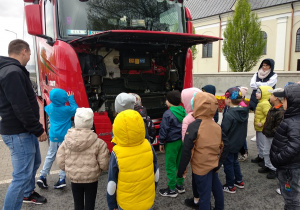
259, 192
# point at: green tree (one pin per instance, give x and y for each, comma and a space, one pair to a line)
193, 48
243, 40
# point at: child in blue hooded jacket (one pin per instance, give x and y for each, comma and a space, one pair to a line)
60, 121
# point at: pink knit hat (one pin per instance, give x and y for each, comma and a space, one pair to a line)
244, 91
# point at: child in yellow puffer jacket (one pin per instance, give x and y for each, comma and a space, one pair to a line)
261, 111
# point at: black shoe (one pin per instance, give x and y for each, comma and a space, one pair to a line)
190, 203
264, 170
168, 193
256, 160
35, 198
272, 175
261, 164
180, 189
42, 182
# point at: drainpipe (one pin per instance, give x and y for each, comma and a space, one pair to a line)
219, 55
291, 36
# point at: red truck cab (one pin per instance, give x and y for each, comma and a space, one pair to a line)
98, 49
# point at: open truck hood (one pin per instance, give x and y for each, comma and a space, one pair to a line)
140, 37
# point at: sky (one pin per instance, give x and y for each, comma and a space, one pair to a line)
11, 18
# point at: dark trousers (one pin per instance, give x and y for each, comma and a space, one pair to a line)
84, 195
232, 169
205, 185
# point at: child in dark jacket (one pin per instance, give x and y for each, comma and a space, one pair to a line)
170, 142
273, 120
60, 121
234, 125
285, 148
206, 149
212, 90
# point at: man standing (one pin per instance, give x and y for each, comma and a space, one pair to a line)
19, 125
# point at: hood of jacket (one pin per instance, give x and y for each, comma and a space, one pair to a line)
265, 94
292, 93
179, 112
210, 89
186, 97
129, 129
79, 139
272, 62
58, 97
6, 61
239, 113
205, 105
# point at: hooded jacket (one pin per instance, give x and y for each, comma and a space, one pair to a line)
186, 97
256, 82
131, 179
19, 110
60, 114
262, 108
284, 153
203, 140
212, 89
273, 120
82, 155
171, 125
235, 125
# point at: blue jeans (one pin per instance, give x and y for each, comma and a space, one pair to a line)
291, 199
50, 157
205, 185
26, 159
232, 169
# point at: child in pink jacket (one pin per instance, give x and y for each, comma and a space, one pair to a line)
186, 97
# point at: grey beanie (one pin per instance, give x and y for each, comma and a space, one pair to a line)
84, 118
124, 101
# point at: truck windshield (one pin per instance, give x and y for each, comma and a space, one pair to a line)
81, 18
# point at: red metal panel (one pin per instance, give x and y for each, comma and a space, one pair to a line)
103, 128
188, 77
33, 19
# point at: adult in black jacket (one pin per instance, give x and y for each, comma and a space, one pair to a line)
265, 76
285, 149
19, 125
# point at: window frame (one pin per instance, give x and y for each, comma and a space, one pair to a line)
297, 45
207, 53
265, 37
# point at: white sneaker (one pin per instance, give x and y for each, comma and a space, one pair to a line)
253, 138
278, 191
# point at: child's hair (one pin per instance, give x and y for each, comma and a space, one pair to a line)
236, 101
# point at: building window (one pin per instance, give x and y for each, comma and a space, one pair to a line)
298, 65
298, 41
266, 39
207, 50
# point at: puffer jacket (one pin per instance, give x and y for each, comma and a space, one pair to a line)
186, 97
273, 120
284, 153
262, 108
133, 154
82, 155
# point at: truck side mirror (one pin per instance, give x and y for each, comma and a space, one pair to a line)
33, 19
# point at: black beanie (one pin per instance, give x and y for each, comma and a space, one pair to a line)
266, 62
174, 97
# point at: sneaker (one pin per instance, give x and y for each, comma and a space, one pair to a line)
168, 193
257, 160
190, 203
60, 184
261, 164
239, 184
278, 191
272, 175
35, 198
180, 189
228, 189
264, 170
42, 182
253, 138
243, 157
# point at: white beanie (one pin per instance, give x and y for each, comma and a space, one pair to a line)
124, 101
84, 118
